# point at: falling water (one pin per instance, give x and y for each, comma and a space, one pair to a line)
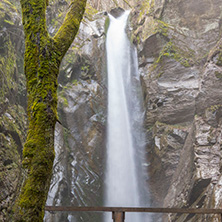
124, 116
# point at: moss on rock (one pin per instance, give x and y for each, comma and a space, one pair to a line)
176, 53
218, 75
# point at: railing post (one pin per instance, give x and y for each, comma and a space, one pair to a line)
118, 216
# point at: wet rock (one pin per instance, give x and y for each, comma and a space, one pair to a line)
12, 114
86, 58
213, 114
164, 154
80, 140
110, 4
199, 167
179, 60
12, 136
152, 47
117, 12
158, 8
210, 88
171, 94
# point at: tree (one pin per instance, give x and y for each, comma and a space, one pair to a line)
43, 55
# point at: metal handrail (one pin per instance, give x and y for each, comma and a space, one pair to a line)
118, 213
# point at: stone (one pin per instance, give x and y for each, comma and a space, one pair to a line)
117, 12
179, 60
80, 140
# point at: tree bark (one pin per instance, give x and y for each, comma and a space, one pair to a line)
43, 56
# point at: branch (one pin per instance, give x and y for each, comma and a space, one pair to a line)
67, 32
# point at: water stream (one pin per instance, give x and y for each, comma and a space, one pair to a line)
125, 137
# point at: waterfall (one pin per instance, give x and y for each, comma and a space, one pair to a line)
124, 117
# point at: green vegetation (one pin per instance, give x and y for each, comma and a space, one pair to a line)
170, 50
214, 108
218, 74
90, 12
162, 28
6, 7
146, 8
163, 131
219, 60
7, 66
174, 52
12, 115
43, 56
12, 137
7, 51
107, 21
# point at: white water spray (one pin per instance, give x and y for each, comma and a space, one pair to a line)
122, 188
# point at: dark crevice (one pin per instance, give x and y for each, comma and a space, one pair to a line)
15, 137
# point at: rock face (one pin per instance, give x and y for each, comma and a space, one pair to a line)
12, 106
78, 168
80, 139
179, 60
110, 4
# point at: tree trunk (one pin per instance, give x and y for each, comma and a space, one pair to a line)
43, 55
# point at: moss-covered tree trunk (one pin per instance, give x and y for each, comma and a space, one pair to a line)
43, 55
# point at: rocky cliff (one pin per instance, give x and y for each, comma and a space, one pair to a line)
12, 105
180, 65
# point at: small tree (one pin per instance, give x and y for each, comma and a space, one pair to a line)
43, 55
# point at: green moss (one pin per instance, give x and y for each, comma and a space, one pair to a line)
64, 101
116, 3
159, 74
9, 22
162, 28
63, 38
184, 56
90, 12
127, 3
174, 52
12, 137
218, 74
219, 60
7, 66
146, 8
43, 56
166, 129
107, 22
7, 6
214, 108
75, 82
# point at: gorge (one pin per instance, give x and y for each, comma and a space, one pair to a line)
179, 58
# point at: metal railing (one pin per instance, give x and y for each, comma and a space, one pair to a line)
118, 213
